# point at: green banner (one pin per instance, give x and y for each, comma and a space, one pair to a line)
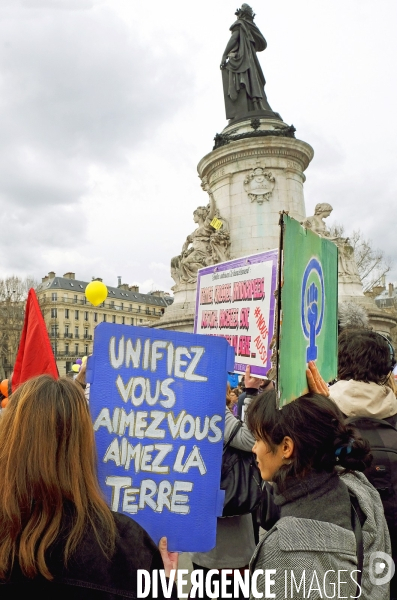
308, 309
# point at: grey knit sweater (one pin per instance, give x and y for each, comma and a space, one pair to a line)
313, 543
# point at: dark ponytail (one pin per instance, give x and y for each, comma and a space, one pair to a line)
351, 451
321, 439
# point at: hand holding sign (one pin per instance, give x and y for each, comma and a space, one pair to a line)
170, 559
251, 382
315, 382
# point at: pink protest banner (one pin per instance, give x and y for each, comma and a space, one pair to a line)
235, 300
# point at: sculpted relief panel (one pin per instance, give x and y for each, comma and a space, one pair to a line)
259, 185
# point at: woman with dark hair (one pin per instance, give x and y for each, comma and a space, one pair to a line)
57, 535
313, 460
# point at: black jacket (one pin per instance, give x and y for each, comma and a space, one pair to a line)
89, 574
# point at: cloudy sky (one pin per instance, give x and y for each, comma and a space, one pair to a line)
106, 107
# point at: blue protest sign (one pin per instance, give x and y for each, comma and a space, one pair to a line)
157, 400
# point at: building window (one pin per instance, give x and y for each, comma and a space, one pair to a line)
85, 300
123, 320
54, 296
122, 306
86, 349
66, 329
139, 309
113, 318
147, 310
54, 313
112, 304
65, 298
76, 315
66, 349
140, 320
76, 349
86, 315
76, 332
75, 298
85, 333
66, 313
104, 319
132, 321
53, 348
95, 317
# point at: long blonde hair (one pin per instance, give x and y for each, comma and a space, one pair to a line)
47, 464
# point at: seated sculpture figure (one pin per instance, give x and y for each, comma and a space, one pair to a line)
347, 265
205, 246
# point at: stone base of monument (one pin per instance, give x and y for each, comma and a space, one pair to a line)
379, 319
350, 288
180, 315
256, 170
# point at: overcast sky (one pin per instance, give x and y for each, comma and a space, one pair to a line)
106, 107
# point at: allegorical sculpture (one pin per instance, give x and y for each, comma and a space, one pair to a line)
207, 245
243, 79
259, 185
347, 266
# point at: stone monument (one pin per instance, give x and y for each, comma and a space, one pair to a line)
254, 171
349, 281
350, 287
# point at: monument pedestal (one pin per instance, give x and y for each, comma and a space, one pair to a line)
180, 315
350, 289
253, 175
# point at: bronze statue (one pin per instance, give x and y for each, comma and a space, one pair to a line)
243, 79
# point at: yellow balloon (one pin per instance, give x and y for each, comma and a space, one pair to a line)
96, 292
76, 368
84, 359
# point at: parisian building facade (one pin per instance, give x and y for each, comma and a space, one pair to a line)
71, 319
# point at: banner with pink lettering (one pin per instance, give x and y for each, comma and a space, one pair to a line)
235, 300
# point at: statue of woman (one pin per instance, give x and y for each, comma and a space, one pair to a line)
243, 79
346, 261
316, 223
205, 246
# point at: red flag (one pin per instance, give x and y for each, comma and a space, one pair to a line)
35, 355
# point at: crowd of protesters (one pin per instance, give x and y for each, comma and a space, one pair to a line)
319, 511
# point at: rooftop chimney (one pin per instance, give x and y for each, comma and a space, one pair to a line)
51, 274
118, 280
391, 290
134, 288
69, 275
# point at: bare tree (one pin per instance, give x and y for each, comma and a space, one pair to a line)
13, 293
371, 262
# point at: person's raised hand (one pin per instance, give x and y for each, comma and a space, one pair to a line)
170, 559
315, 382
251, 382
81, 375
